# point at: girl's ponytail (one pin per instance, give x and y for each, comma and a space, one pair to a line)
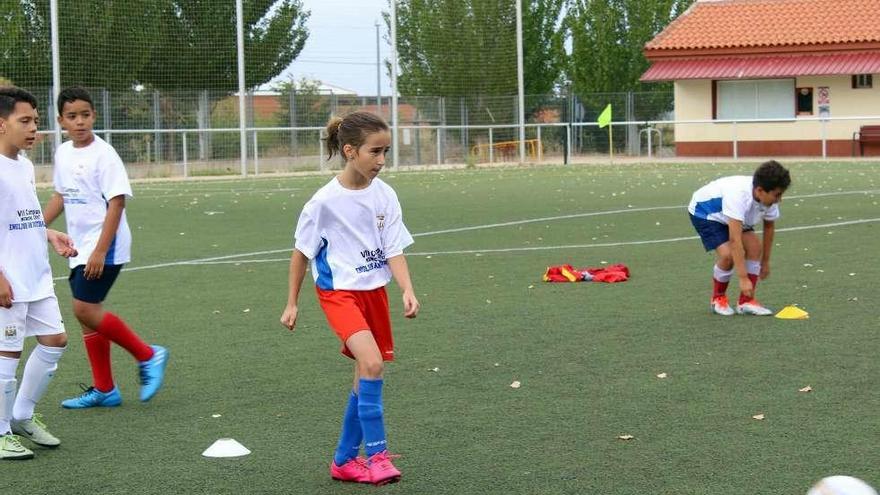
334, 147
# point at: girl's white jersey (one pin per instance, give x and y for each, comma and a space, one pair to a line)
24, 255
349, 234
88, 178
731, 197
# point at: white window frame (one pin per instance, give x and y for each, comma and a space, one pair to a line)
755, 99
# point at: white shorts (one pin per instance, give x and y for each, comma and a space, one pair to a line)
28, 319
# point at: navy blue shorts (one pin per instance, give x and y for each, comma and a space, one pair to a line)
713, 234
92, 291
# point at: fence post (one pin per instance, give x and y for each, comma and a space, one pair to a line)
824, 139
632, 130
256, 155
157, 124
323, 163
203, 117
735, 142
185, 165
540, 145
292, 119
491, 147
568, 144
418, 137
105, 111
439, 149
441, 131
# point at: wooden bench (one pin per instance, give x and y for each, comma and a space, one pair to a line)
869, 134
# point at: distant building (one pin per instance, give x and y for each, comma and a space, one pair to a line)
771, 59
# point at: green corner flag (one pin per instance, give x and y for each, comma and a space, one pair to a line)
605, 117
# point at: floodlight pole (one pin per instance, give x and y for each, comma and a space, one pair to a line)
56, 68
520, 88
239, 22
395, 154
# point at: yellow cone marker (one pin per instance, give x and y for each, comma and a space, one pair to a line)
792, 313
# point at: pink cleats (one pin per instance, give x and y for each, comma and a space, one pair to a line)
355, 471
382, 471
378, 470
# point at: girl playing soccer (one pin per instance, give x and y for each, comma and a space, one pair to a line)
352, 234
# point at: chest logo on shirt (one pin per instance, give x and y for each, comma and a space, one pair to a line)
373, 260
380, 221
28, 219
10, 332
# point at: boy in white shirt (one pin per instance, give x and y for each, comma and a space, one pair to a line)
725, 213
91, 185
28, 306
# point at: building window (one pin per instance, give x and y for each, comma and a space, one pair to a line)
862, 81
755, 99
805, 101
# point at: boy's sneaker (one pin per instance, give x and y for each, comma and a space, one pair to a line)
382, 471
354, 470
92, 397
153, 372
752, 307
12, 449
35, 430
720, 306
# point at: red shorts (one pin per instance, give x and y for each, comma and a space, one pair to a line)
351, 311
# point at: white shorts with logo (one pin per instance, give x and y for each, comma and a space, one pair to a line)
28, 319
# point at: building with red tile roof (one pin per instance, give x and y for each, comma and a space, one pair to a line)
787, 62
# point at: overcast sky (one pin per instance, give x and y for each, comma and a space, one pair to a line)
341, 49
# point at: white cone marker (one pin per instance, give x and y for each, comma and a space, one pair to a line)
226, 447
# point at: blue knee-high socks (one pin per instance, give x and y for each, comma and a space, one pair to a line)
351, 436
370, 412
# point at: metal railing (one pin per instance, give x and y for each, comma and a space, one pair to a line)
445, 144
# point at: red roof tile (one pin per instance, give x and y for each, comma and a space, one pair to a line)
719, 24
763, 67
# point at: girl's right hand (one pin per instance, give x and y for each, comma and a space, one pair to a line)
6, 295
288, 318
746, 287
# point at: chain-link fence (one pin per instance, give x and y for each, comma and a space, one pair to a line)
168, 93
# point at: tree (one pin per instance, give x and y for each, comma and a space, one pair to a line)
608, 37
197, 47
456, 47
544, 35
24, 44
468, 47
160, 44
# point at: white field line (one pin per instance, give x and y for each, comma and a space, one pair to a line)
614, 212
567, 246
202, 194
511, 223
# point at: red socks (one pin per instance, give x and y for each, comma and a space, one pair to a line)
719, 288
98, 351
114, 329
742, 297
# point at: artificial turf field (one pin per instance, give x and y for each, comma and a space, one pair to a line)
209, 278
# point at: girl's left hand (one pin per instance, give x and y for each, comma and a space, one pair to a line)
765, 270
411, 305
61, 242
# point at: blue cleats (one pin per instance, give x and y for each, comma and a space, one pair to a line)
92, 397
153, 372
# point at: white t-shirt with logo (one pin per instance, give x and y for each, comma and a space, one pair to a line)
731, 197
349, 234
24, 255
88, 178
